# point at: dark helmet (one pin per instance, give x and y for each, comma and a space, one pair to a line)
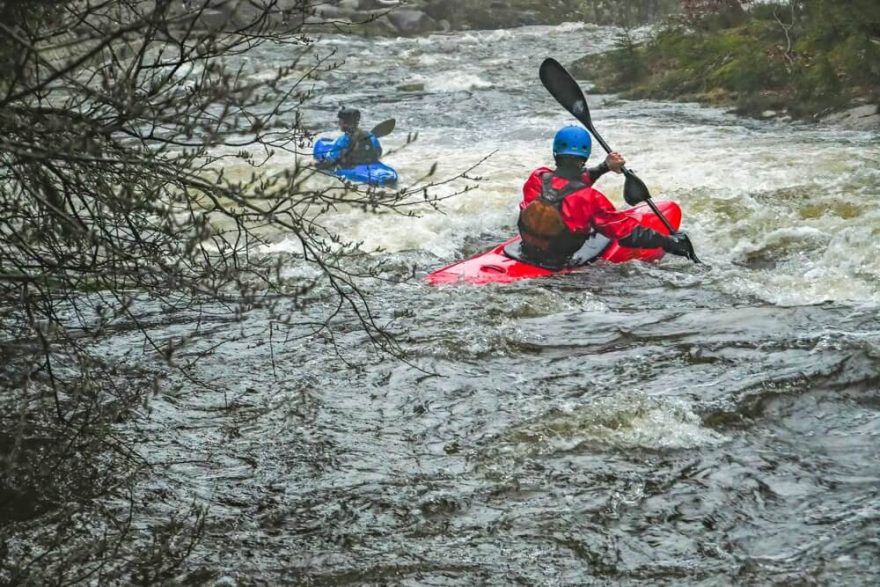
349, 115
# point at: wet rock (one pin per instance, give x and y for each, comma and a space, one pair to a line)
233, 14
411, 22
378, 4
213, 20
237, 14
528, 18
379, 25
861, 117
217, 17
328, 11
405, 17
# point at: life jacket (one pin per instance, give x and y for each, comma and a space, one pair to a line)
360, 150
543, 230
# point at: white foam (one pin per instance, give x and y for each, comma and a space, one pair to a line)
449, 82
622, 421
786, 212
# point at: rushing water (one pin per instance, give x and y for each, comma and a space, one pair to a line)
664, 423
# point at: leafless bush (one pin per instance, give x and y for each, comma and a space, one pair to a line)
118, 122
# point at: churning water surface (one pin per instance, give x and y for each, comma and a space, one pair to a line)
640, 424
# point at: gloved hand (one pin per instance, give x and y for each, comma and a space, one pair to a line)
678, 243
615, 161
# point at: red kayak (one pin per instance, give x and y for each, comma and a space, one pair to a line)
503, 264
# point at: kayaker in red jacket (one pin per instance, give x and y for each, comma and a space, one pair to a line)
560, 208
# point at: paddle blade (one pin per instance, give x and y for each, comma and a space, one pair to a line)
634, 189
566, 90
383, 128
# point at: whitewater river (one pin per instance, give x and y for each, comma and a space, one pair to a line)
641, 424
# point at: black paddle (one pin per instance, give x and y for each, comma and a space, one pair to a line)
567, 92
383, 128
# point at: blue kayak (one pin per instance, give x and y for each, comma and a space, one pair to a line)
372, 174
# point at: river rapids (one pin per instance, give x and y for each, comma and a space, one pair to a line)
646, 424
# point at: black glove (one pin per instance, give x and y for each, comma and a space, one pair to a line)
678, 243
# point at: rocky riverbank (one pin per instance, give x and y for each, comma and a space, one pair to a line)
417, 17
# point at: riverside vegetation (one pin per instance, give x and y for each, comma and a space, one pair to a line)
804, 59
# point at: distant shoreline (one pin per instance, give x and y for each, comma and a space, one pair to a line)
413, 18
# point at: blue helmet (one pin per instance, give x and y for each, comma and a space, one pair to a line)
572, 140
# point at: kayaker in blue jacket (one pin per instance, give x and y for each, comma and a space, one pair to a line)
354, 147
